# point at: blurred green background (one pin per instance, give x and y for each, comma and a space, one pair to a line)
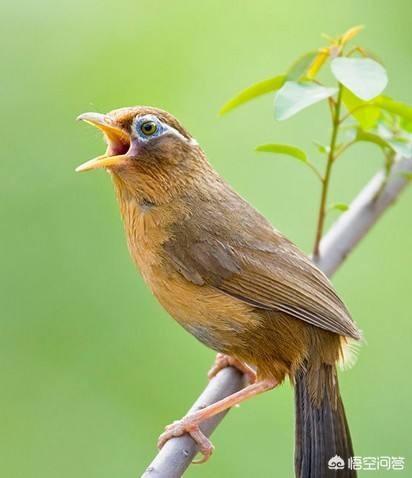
91, 368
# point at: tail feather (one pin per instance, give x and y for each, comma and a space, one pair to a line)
322, 430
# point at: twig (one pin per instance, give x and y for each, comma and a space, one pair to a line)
315, 170
343, 148
351, 227
328, 171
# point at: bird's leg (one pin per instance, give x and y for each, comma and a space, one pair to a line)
190, 423
223, 361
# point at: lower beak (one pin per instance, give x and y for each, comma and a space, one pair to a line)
115, 136
102, 162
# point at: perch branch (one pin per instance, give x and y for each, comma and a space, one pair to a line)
177, 454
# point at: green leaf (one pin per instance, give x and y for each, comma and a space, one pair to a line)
364, 77
319, 61
283, 149
292, 151
301, 65
394, 107
366, 113
294, 97
258, 89
339, 206
322, 148
374, 138
393, 111
406, 125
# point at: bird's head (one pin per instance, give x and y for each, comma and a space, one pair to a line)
148, 151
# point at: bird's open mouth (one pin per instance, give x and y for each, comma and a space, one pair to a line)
118, 142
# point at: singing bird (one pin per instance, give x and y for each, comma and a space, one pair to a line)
222, 271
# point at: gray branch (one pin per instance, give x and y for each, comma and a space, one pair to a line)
177, 454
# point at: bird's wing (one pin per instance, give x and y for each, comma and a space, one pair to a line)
271, 275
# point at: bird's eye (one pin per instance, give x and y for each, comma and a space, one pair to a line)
148, 128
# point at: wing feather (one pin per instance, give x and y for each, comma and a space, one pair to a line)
274, 275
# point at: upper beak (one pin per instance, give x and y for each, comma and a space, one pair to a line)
115, 137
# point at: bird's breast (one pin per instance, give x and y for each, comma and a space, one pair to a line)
144, 232
214, 318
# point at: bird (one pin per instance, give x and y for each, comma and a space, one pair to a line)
228, 277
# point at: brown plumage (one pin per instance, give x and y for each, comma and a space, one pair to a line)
221, 270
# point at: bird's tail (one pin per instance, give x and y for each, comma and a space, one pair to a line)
323, 442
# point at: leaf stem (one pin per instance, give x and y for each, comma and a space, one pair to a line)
315, 170
343, 148
328, 170
357, 49
357, 108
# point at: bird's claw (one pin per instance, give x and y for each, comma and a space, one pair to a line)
222, 361
188, 425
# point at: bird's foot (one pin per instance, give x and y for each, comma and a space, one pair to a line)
188, 425
223, 361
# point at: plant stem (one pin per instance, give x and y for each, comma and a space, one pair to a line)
328, 170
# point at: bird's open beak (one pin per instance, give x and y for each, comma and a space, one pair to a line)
117, 139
